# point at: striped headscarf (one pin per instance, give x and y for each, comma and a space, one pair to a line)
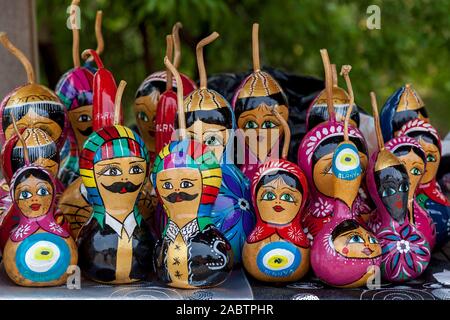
192, 154
108, 143
74, 89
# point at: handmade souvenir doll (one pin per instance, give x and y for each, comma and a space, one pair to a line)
115, 246
277, 250
38, 251
318, 111
344, 253
32, 105
74, 89
402, 106
413, 157
42, 151
315, 156
260, 131
429, 194
149, 93
406, 252
210, 119
187, 176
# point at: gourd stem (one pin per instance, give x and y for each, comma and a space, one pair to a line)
176, 44
345, 70
376, 119
22, 140
19, 55
98, 32
201, 61
255, 48
118, 101
181, 115
328, 83
169, 53
287, 132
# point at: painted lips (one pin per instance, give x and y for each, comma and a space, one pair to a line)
35, 206
367, 251
278, 208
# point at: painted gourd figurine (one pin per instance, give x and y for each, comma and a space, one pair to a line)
317, 112
74, 203
115, 246
191, 253
429, 194
406, 252
149, 93
75, 90
32, 105
413, 157
315, 155
42, 151
210, 120
278, 250
259, 131
344, 253
402, 106
38, 251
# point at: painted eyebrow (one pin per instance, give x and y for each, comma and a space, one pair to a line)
187, 179
24, 185
349, 232
415, 162
108, 164
137, 161
288, 188
269, 187
169, 179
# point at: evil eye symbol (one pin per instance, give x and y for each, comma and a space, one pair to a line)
279, 259
42, 257
346, 164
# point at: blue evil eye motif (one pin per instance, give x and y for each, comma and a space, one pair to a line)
279, 259
43, 257
346, 164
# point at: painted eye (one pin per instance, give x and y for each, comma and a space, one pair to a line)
388, 192
84, 118
287, 197
431, 158
136, 170
403, 187
268, 125
356, 239
251, 125
269, 196
186, 184
167, 185
346, 164
415, 171
42, 192
112, 172
372, 240
142, 116
213, 141
25, 195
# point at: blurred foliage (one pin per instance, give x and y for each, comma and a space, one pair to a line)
413, 44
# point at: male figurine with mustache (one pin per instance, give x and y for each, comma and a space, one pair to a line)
115, 246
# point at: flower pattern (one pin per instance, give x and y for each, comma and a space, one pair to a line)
295, 234
22, 231
55, 227
322, 208
406, 254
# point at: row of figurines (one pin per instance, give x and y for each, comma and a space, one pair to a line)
275, 217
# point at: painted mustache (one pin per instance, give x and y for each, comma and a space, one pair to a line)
86, 132
180, 196
122, 187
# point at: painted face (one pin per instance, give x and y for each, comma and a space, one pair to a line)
81, 121
415, 167
265, 125
323, 173
32, 119
393, 186
357, 243
119, 181
34, 197
278, 203
433, 160
180, 190
145, 111
213, 135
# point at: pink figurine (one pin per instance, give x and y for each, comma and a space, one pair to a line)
406, 252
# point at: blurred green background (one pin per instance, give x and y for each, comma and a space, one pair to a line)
413, 44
